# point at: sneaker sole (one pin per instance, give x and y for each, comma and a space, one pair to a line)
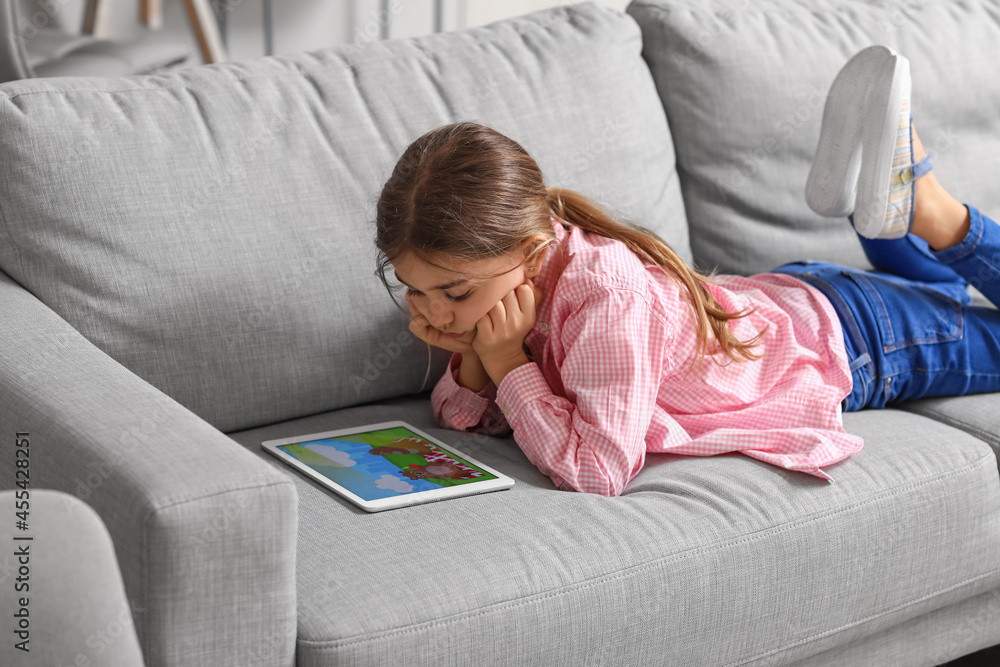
831, 187
878, 146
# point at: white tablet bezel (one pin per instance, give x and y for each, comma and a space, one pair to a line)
502, 481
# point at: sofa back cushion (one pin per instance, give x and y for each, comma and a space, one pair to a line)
744, 83
211, 229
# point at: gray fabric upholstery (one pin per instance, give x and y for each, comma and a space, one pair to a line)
929, 640
194, 517
256, 179
89, 620
978, 415
744, 83
187, 256
697, 548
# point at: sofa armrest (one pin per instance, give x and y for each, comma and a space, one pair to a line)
204, 530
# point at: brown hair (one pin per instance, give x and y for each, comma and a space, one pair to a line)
464, 191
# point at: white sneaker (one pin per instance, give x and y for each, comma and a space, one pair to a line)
884, 205
869, 169
833, 178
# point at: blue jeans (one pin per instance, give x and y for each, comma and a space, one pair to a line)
909, 330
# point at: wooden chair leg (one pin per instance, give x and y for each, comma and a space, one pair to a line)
95, 19
151, 14
206, 30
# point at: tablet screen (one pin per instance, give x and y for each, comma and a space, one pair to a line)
386, 462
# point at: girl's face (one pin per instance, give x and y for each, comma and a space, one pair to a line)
454, 299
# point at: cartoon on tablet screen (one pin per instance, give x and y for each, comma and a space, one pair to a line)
439, 465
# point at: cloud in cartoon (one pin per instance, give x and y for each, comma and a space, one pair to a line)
393, 484
332, 453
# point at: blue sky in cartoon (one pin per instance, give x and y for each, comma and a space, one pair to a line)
370, 476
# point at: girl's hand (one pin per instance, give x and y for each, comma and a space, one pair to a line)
423, 330
500, 333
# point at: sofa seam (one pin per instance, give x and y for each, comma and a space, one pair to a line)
701, 10
635, 569
959, 424
181, 501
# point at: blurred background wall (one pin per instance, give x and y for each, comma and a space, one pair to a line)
299, 25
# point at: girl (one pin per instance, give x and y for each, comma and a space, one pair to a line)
588, 337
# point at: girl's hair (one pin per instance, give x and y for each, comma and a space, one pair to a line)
464, 191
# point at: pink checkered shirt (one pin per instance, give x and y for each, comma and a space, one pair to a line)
612, 341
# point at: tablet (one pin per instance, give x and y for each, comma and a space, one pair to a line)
387, 465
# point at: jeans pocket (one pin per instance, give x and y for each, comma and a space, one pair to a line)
908, 313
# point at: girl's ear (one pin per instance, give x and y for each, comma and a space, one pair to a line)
530, 246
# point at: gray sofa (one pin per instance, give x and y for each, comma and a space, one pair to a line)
188, 270
62, 591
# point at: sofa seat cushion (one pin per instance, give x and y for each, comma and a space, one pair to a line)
781, 564
978, 414
210, 229
744, 84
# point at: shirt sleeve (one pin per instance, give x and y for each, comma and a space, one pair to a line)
593, 439
461, 409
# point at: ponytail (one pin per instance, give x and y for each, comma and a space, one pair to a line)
582, 212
